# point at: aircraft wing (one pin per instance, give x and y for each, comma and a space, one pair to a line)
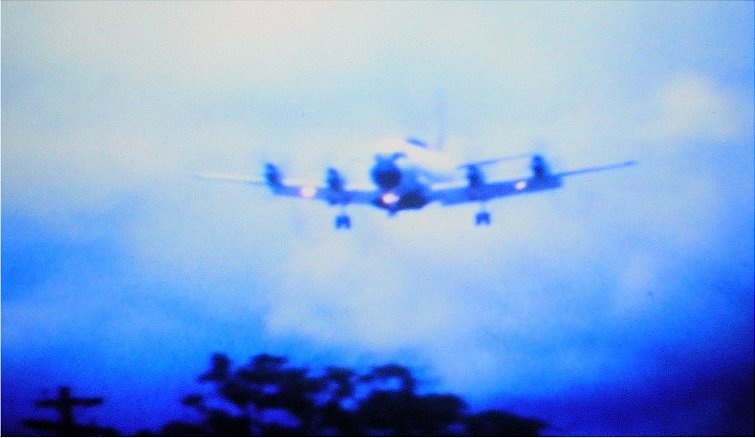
459, 193
233, 177
595, 169
299, 189
348, 195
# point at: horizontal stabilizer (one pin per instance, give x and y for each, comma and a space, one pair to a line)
417, 142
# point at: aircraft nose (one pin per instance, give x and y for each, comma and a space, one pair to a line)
386, 175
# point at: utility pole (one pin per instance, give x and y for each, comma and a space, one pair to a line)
66, 426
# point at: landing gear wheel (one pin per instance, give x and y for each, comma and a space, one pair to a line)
482, 218
343, 220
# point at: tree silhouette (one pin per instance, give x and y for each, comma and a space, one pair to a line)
267, 397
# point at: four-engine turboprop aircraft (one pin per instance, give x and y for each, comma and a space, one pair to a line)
412, 176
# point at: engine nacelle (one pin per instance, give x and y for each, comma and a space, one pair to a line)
333, 180
475, 176
273, 176
539, 167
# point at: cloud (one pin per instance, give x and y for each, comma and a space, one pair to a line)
693, 108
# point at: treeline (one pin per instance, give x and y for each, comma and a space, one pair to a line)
268, 397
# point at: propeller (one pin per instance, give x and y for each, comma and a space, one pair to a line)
538, 166
551, 157
272, 175
334, 180
474, 176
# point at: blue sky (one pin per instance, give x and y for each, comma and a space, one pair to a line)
122, 271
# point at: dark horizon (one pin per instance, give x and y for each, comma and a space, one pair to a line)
681, 408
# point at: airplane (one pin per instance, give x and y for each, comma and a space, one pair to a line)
408, 175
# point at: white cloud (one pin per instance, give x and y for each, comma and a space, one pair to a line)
691, 107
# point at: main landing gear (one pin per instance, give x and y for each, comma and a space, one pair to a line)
482, 218
343, 221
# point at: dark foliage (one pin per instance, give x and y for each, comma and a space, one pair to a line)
266, 397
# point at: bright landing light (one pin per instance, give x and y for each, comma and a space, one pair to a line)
307, 192
520, 185
390, 198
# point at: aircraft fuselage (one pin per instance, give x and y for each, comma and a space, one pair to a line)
403, 191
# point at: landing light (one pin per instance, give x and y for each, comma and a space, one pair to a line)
390, 198
520, 185
307, 192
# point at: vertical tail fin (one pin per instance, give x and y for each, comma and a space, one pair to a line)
440, 140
